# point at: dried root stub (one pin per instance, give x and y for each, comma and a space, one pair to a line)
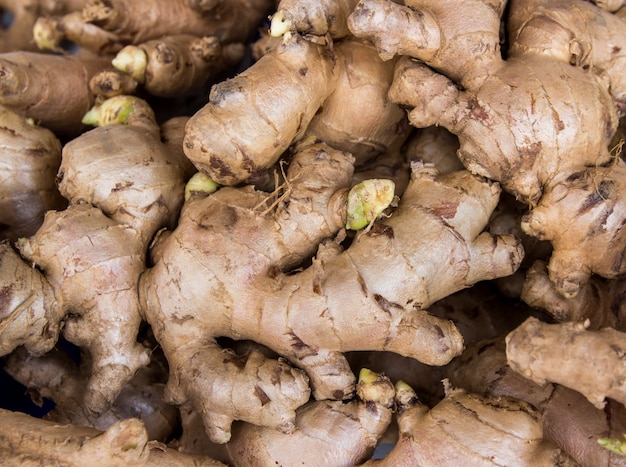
469, 429
588, 361
31, 156
345, 301
29, 441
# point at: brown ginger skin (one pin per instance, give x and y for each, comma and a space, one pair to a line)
389, 313
589, 361
31, 158
468, 429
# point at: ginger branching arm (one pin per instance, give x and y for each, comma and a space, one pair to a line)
53, 90
251, 119
177, 65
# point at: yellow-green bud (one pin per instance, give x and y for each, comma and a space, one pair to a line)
200, 183
132, 60
367, 200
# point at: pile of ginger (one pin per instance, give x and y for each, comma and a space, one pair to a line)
334, 233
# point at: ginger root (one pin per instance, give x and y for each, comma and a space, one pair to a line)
53, 90
468, 429
337, 433
588, 361
29, 441
531, 121
89, 258
177, 65
109, 25
30, 160
296, 90
251, 119
569, 420
312, 319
